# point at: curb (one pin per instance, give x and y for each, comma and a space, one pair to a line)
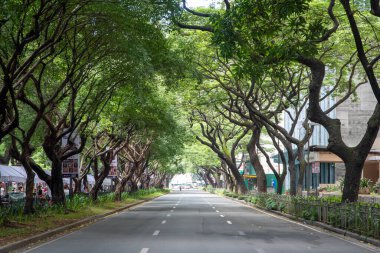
50, 233
343, 232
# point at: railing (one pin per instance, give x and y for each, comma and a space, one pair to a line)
359, 217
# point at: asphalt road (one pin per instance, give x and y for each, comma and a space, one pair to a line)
194, 221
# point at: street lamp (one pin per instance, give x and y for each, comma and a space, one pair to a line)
311, 126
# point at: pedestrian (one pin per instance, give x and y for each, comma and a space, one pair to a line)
180, 188
2, 189
40, 196
274, 184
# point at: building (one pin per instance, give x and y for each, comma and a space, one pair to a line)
324, 166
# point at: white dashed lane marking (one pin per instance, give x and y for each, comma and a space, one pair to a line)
144, 250
156, 232
229, 222
163, 222
222, 215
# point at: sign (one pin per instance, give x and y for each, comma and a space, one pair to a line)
249, 176
113, 171
70, 166
315, 167
241, 168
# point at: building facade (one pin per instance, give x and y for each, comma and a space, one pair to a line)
324, 166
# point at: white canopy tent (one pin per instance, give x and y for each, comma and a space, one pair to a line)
12, 174
91, 180
15, 174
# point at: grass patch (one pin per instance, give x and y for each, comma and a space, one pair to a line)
22, 226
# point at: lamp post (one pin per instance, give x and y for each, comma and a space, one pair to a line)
311, 125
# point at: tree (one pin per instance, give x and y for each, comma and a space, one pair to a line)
223, 138
288, 33
30, 32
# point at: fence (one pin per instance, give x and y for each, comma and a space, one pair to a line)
359, 217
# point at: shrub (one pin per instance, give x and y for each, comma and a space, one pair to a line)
220, 191
210, 189
365, 183
270, 204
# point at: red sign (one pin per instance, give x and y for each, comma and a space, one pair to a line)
315, 167
70, 166
113, 171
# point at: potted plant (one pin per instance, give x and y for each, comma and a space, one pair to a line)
365, 184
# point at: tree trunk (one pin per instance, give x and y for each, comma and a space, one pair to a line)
292, 172
29, 188
98, 184
255, 161
218, 182
260, 174
280, 184
57, 193
231, 187
352, 180
134, 187
301, 176
302, 168
240, 185
78, 184
209, 178
160, 183
4, 159
120, 188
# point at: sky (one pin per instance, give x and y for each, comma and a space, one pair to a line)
196, 3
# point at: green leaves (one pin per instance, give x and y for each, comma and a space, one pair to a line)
262, 33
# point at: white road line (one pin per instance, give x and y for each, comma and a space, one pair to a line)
171, 211
229, 222
241, 233
217, 211
300, 224
156, 232
260, 250
213, 207
144, 250
163, 222
168, 215
174, 207
222, 215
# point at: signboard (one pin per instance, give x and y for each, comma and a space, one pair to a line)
315, 167
70, 166
113, 171
249, 176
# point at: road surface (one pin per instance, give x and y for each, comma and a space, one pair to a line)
198, 222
